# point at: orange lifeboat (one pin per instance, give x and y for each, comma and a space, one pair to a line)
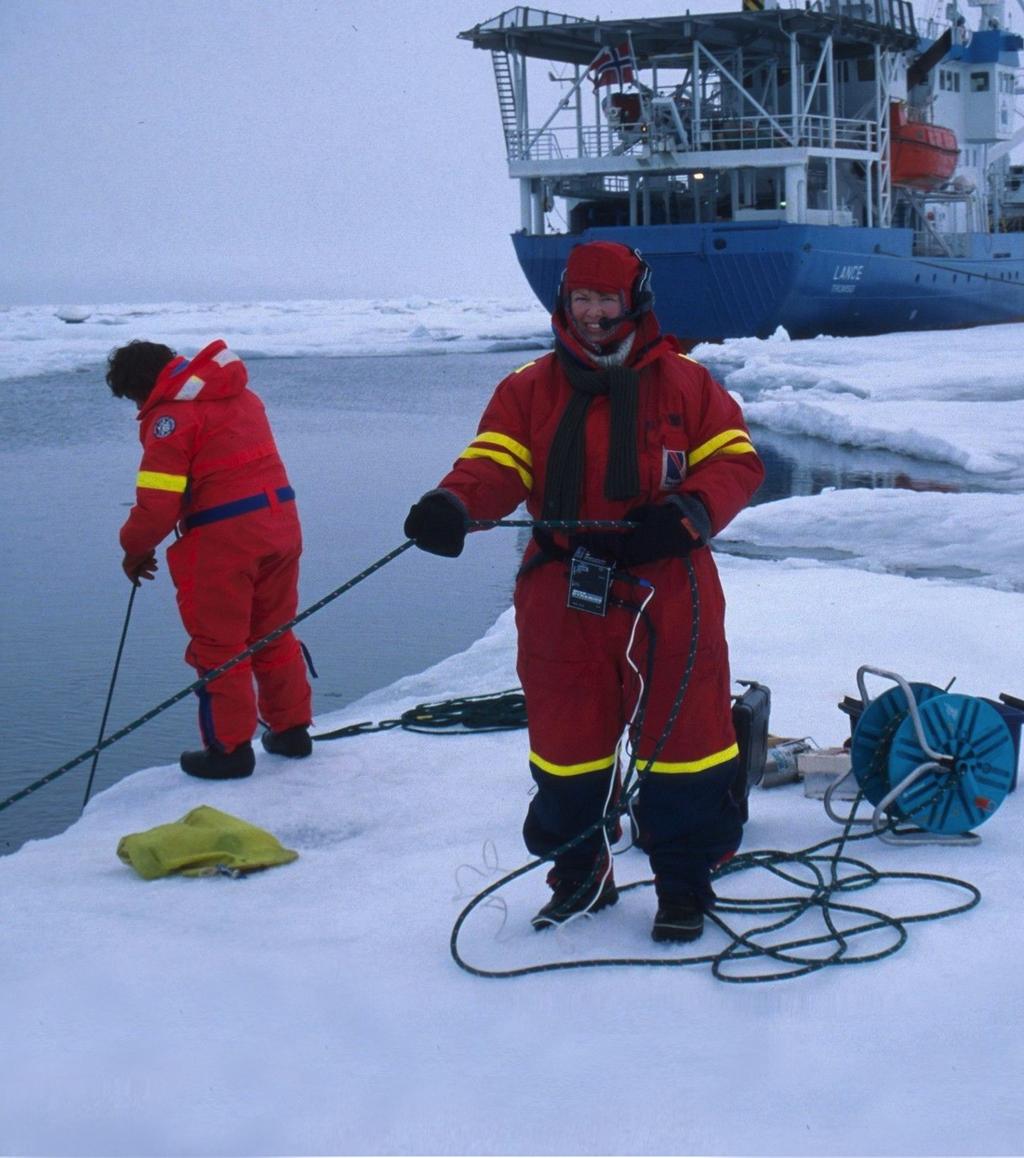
923, 155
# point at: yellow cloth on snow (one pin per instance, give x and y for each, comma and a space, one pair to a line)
204, 842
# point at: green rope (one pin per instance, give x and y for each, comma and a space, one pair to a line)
824, 878
209, 676
204, 680
110, 694
496, 712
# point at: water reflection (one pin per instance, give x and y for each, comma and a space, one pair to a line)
798, 465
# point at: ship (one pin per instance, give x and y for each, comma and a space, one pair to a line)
828, 168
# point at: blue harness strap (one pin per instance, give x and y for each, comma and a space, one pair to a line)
237, 507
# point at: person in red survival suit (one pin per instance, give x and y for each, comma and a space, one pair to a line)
615, 424
211, 470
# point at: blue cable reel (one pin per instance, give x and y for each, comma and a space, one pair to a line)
941, 762
954, 795
873, 734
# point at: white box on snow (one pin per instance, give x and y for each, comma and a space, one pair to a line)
821, 767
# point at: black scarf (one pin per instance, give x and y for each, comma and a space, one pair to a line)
565, 459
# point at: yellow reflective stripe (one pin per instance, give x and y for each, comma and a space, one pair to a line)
687, 358
153, 480
739, 448
517, 448
571, 769
502, 459
692, 765
713, 444
524, 366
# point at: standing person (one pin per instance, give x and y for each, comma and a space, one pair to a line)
615, 424
210, 470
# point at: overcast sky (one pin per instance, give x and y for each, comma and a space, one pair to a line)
251, 149
204, 149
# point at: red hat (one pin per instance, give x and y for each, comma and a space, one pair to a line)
605, 266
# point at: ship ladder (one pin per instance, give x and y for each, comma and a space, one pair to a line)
506, 101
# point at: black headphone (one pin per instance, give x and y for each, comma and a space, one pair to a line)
641, 294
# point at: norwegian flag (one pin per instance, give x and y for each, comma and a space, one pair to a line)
673, 468
612, 66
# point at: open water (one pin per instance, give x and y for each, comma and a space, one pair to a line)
362, 437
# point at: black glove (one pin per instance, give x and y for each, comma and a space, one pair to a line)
666, 530
437, 523
138, 567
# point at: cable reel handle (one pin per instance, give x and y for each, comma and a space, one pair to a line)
942, 758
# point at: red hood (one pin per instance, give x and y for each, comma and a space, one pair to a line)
649, 342
215, 372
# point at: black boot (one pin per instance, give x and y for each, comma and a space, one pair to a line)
212, 764
294, 742
574, 895
679, 920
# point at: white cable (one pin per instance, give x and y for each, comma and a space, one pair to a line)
611, 779
640, 693
629, 660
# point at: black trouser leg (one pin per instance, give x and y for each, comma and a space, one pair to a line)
562, 808
688, 823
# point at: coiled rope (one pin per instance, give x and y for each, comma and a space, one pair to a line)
823, 878
496, 712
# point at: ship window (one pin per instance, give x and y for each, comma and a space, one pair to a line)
979, 82
865, 70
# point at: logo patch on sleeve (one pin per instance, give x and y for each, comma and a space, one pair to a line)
673, 468
163, 426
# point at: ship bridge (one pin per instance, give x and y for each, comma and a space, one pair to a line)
779, 113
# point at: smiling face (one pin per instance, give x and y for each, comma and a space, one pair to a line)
588, 307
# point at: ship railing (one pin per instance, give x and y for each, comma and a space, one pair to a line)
897, 14
715, 133
837, 133
558, 144
544, 146
523, 17
808, 131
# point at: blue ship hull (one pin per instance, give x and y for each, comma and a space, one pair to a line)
743, 279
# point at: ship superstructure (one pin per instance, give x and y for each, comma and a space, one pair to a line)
830, 168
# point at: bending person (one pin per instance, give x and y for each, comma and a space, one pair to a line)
211, 471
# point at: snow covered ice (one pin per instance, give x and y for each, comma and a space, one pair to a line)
315, 1008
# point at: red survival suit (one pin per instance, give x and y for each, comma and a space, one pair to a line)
210, 467
579, 688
